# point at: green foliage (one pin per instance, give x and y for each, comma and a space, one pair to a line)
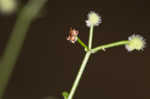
65, 94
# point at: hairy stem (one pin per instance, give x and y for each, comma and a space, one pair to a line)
90, 37
103, 47
82, 43
79, 75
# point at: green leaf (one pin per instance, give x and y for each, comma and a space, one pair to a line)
65, 94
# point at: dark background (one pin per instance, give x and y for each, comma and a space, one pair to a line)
48, 63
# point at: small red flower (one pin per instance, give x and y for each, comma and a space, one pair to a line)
73, 33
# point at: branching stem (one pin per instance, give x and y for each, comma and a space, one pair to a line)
103, 47
82, 44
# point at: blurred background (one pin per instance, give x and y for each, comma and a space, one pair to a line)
48, 63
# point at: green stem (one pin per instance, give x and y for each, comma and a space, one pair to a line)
79, 75
82, 44
15, 43
90, 37
103, 47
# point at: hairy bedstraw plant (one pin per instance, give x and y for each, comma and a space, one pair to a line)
134, 42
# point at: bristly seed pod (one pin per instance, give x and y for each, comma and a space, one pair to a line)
136, 42
93, 19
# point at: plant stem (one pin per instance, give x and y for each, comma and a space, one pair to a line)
15, 43
82, 44
79, 75
90, 37
103, 47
